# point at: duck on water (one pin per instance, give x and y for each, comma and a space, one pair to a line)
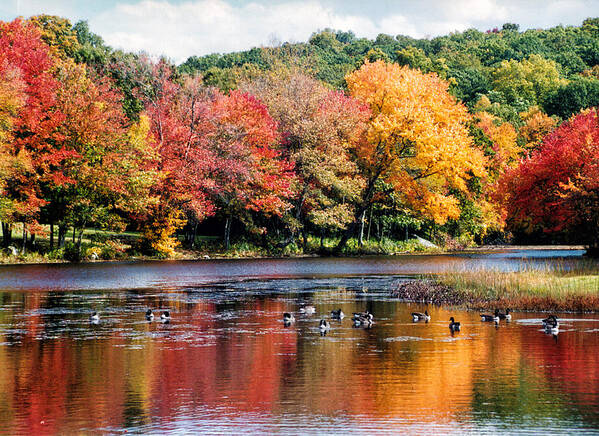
485, 317
307, 310
288, 319
363, 319
337, 314
453, 325
149, 315
94, 318
419, 316
507, 315
551, 323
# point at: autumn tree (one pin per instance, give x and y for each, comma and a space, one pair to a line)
504, 150
217, 153
12, 100
537, 125
557, 188
58, 34
320, 130
417, 140
33, 149
108, 172
248, 173
181, 122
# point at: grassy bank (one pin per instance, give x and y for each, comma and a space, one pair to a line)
100, 245
555, 288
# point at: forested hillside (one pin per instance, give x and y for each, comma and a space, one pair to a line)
553, 68
340, 143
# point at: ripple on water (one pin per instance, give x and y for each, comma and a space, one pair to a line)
407, 338
245, 373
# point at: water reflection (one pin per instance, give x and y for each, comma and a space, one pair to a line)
226, 363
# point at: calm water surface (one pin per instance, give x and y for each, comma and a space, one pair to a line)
226, 363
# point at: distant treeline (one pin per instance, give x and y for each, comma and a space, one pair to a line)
554, 68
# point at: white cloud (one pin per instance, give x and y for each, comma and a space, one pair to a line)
206, 26
181, 28
479, 10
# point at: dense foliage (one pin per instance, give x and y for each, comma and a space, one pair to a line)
465, 137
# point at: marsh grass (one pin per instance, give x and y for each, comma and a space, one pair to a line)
561, 285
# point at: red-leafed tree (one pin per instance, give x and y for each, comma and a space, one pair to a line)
216, 152
557, 188
12, 99
181, 123
35, 135
248, 172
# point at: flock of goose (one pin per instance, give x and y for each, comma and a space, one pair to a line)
366, 319
360, 319
165, 317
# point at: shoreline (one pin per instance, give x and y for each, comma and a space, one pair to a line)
187, 255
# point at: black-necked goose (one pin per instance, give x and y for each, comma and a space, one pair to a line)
419, 316
337, 314
165, 317
307, 310
94, 318
453, 325
288, 318
485, 317
363, 319
551, 323
149, 315
507, 315
324, 325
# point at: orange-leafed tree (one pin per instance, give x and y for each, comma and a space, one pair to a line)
417, 140
505, 150
557, 187
537, 125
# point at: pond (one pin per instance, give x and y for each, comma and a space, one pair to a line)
225, 363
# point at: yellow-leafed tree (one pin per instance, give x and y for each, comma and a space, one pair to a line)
417, 140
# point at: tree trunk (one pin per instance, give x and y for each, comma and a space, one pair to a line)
6, 234
361, 238
298, 212
351, 229
194, 236
51, 236
228, 232
73, 234
79, 238
62, 235
369, 225
24, 249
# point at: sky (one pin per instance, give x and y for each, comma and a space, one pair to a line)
182, 28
